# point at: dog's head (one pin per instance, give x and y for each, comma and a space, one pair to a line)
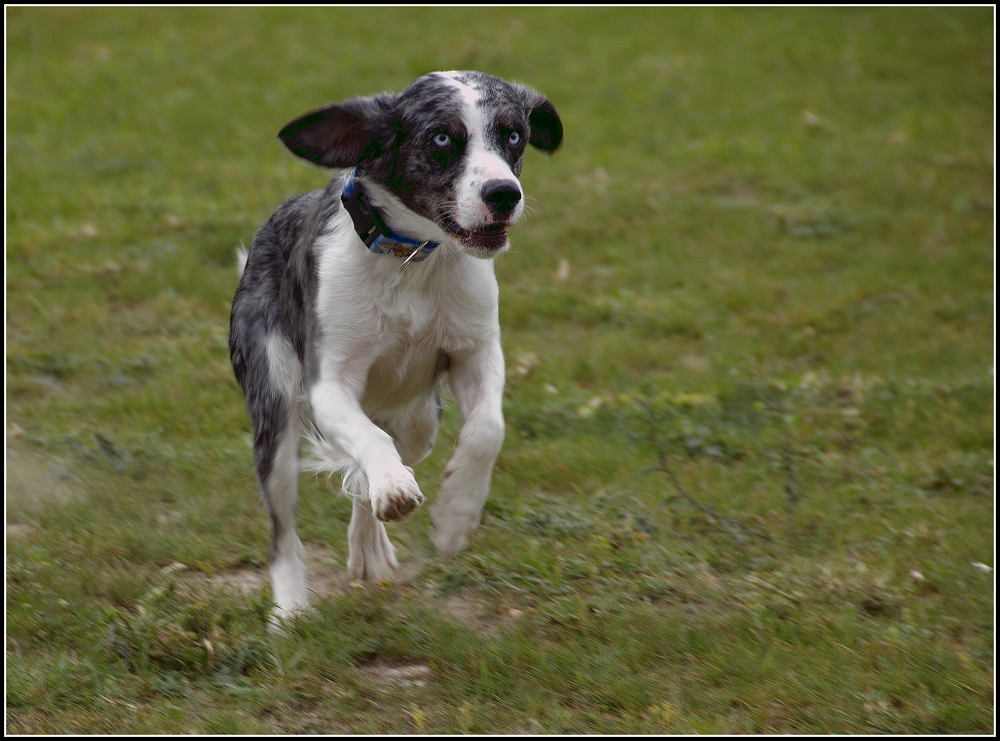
449, 147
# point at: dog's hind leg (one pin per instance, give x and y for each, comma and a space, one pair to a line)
271, 379
280, 492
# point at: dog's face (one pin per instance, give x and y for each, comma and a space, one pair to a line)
450, 147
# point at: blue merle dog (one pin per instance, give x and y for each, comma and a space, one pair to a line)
356, 303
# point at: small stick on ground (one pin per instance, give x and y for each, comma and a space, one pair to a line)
724, 522
729, 524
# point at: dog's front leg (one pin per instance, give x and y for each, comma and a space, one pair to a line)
477, 384
392, 490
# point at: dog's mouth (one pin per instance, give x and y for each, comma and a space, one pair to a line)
486, 240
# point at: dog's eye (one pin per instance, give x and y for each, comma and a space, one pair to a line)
442, 140
514, 138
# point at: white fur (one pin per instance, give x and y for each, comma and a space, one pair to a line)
282, 361
382, 332
241, 260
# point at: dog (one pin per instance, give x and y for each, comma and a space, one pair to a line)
357, 302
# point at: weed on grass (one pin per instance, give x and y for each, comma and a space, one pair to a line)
747, 483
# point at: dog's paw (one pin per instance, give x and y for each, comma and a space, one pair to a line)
395, 497
375, 567
451, 533
281, 617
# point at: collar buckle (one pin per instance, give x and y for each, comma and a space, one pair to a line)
413, 255
378, 237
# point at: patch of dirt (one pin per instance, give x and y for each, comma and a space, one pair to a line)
18, 529
34, 482
326, 574
475, 613
246, 579
469, 612
387, 674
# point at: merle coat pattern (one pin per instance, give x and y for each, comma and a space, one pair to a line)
338, 346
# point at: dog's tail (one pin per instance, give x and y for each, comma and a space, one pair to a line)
241, 259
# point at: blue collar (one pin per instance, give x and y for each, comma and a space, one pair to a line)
373, 230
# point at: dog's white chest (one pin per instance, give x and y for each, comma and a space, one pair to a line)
416, 339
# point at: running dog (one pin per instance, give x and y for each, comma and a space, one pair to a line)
357, 302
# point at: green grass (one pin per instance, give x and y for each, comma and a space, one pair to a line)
766, 242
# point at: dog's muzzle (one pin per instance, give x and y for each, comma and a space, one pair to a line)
501, 197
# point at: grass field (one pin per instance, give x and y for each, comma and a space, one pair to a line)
747, 485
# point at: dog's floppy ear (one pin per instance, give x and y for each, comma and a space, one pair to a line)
343, 134
546, 128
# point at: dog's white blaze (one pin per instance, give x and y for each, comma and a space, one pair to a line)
483, 164
469, 93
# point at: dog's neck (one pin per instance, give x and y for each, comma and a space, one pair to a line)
373, 230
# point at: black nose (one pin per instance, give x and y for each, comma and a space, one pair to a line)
501, 196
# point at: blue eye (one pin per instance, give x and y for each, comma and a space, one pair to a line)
514, 137
442, 140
